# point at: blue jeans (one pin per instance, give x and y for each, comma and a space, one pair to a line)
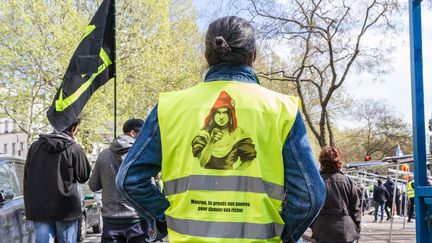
65, 231
378, 205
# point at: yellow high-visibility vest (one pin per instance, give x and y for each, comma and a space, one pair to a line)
410, 190
222, 161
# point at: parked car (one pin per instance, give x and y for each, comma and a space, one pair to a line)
92, 212
13, 224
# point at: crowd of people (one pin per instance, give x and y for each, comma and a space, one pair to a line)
234, 157
387, 197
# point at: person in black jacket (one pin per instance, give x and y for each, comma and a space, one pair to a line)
55, 164
380, 196
339, 219
398, 201
389, 185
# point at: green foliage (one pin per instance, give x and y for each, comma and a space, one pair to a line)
158, 49
35, 41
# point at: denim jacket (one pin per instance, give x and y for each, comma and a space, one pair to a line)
305, 189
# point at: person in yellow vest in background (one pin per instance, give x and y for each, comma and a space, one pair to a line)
411, 196
235, 157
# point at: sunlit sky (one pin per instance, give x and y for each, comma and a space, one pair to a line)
394, 87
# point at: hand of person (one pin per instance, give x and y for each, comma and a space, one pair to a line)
216, 135
162, 227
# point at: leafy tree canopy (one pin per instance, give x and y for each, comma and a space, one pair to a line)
158, 49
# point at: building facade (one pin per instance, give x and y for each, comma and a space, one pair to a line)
12, 142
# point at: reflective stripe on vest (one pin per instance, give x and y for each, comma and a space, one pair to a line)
225, 229
222, 162
224, 183
410, 190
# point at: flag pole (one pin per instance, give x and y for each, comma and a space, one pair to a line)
115, 68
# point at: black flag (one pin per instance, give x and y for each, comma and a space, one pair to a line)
90, 67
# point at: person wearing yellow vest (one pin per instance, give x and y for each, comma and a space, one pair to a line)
411, 196
234, 156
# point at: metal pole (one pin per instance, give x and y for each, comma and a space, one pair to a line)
362, 201
115, 68
393, 203
406, 201
419, 140
362, 194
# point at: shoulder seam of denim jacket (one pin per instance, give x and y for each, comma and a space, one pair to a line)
126, 168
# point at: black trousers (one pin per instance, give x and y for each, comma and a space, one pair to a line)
411, 209
388, 205
124, 233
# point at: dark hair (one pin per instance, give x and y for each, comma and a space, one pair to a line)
330, 159
229, 39
379, 182
74, 124
133, 124
212, 124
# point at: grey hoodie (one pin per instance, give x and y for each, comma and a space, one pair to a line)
103, 177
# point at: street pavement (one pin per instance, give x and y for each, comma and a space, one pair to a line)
380, 232
96, 238
371, 232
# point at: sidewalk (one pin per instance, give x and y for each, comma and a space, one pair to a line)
371, 232
379, 232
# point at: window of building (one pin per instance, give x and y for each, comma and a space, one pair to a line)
22, 146
5, 147
6, 126
13, 148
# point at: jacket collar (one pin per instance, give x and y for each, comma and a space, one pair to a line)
229, 72
332, 172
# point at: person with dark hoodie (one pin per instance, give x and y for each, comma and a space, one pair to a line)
380, 196
55, 165
121, 221
389, 185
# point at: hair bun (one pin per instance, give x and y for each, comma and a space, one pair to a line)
219, 40
221, 45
